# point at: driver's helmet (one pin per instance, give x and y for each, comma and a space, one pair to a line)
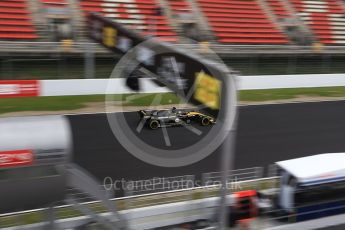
174, 110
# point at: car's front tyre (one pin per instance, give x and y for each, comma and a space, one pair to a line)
205, 121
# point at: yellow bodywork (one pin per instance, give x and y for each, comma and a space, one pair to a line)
193, 114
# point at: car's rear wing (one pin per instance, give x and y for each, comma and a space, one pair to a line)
142, 113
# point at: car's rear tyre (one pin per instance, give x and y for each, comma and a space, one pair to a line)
153, 124
205, 121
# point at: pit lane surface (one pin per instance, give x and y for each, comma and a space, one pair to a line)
266, 134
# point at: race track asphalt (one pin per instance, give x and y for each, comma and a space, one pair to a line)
266, 134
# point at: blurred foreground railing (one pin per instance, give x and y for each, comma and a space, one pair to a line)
162, 191
188, 211
167, 201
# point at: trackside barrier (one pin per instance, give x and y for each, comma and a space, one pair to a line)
150, 217
145, 200
188, 211
116, 86
233, 175
181, 185
272, 170
234, 178
73, 87
80, 47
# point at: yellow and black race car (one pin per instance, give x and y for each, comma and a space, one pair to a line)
155, 119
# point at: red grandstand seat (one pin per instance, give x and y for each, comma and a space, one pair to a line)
278, 8
12, 5
241, 21
15, 20
222, 26
14, 16
250, 35
17, 36
245, 30
180, 7
13, 10
325, 19
17, 29
54, 3
137, 14
15, 23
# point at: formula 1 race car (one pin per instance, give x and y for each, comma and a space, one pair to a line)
154, 119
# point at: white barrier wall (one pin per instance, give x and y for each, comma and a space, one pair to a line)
94, 86
117, 86
290, 81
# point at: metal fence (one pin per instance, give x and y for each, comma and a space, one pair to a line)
182, 190
14, 46
56, 60
151, 192
165, 190
235, 177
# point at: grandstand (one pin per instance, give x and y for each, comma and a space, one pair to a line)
16, 21
143, 15
325, 18
54, 3
240, 21
180, 6
279, 9
229, 21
